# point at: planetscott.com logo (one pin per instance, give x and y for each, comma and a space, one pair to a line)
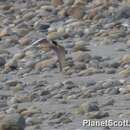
106, 123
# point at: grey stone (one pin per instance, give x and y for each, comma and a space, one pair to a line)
2, 61
123, 12
12, 122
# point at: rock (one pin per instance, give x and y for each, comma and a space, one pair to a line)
108, 102
69, 84
43, 27
18, 87
68, 2
80, 47
11, 65
74, 96
2, 34
29, 121
46, 63
30, 54
57, 115
11, 110
12, 121
75, 12
81, 56
20, 99
77, 9
55, 35
59, 122
123, 12
58, 96
86, 94
125, 73
89, 107
24, 41
58, 85
44, 92
97, 115
13, 82
79, 2
79, 66
3, 104
65, 120
111, 71
90, 83
18, 56
22, 31
2, 61
125, 59
89, 71
29, 112
112, 91
29, 15
111, 83
5, 7
125, 90
56, 3
33, 121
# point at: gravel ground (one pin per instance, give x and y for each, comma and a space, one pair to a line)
95, 84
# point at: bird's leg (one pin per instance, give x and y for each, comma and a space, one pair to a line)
60, 66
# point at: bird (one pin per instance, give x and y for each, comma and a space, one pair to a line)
47, 45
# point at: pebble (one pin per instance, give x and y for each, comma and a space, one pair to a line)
89, 71
108, 102
90, 83
33, 121
76, 12
56, 3
96, 38
125, 73
11, 65
2, 61
110, 83
89, 107
125, 90
79, 66
24, 41
12, 121
97, 115
123, 12
55, 35
13, 82
125, 59
81, 56
112, 91
86, 107
45, 63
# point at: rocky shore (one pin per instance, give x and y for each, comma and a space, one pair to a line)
95, 84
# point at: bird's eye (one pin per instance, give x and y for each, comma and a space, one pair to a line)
55, 43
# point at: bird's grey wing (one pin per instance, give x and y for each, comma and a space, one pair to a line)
44, 41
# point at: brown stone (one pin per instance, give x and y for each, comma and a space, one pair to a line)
2, 34
76, 12
24, 41
12, 122
56, 3
125, 59
45, 63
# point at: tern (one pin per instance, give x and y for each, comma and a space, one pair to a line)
48, 45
